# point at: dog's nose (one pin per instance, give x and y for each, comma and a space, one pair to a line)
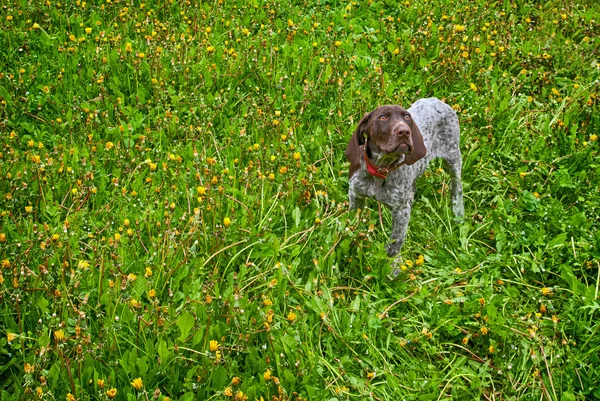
401, 131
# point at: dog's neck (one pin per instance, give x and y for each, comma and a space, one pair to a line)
380, 171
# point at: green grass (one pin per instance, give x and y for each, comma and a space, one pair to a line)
173, 202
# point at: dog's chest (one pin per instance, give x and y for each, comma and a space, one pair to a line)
392, 192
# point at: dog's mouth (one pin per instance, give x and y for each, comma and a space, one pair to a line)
404, 149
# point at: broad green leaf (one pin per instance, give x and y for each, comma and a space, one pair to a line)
185, 322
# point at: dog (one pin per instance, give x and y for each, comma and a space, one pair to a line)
391, 147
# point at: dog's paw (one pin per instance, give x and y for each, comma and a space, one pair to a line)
395, 268
459, 211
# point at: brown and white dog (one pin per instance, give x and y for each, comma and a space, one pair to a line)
392, 147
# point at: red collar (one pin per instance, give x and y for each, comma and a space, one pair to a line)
377, 171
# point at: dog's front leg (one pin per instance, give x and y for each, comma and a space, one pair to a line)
356, 201
400, 218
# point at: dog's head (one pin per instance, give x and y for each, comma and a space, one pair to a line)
390, 133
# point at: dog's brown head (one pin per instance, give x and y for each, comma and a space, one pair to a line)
389, 132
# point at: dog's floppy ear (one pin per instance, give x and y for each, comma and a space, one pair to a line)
355, 150
419, 150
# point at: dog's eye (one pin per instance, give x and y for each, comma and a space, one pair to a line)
407, 117
383, 117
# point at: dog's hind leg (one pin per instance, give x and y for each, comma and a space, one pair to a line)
454, 167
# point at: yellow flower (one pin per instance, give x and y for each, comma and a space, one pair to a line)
267, 375
227, 392
100, 383
236, 381
213, 345
291, 316
59, 335
420, 260
112, 393
88, 30
70, 397
28, 368
240, 396
10, 337
148, 272
152, 293
593, 137
297, 156
28, 209
141, 55
523, 174
137, 383
226, 221
465, 340
546, 291
35, 26
484, 330
290, 23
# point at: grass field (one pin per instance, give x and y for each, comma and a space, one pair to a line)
174, 222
